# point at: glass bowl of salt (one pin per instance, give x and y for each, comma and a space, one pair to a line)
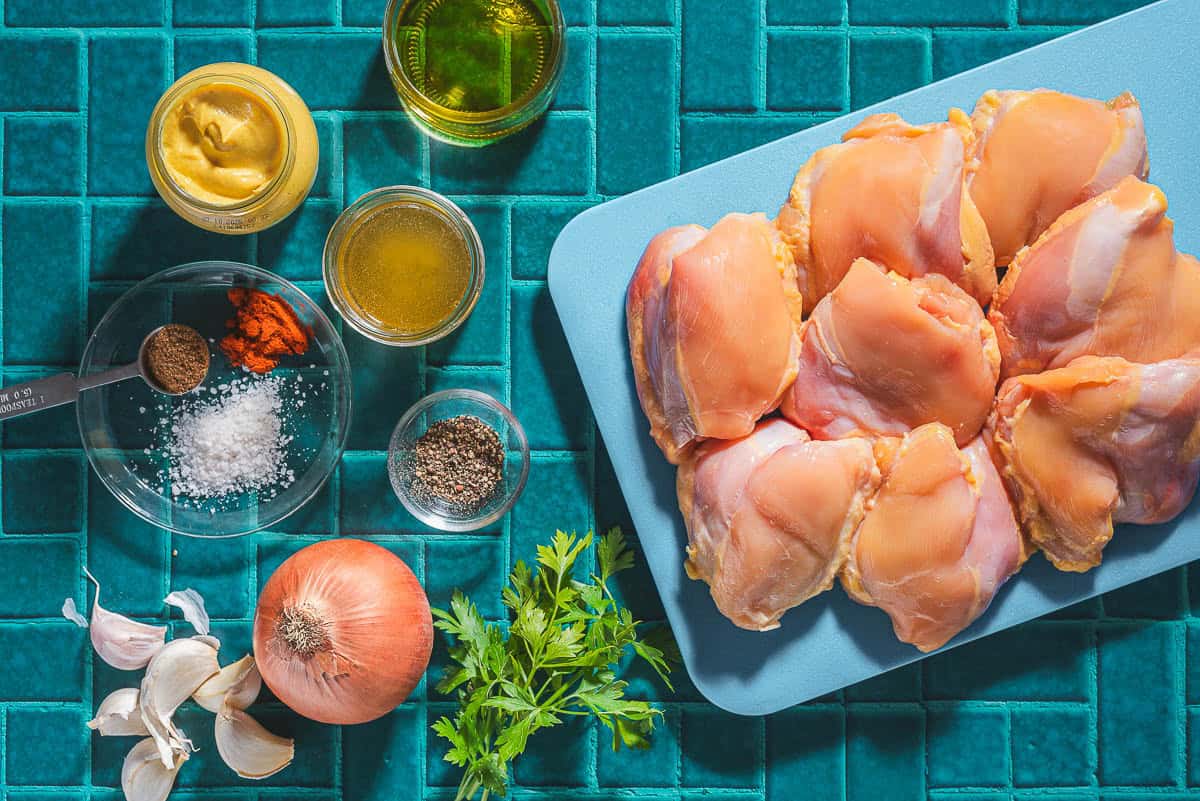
243, 450
458, 460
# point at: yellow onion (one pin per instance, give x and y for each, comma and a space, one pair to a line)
342, 633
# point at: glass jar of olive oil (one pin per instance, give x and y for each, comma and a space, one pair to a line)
471, 72
403, 265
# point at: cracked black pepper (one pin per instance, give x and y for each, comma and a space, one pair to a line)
459, 460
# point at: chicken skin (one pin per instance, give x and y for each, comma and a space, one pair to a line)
769, 517
1104, 280
1098, 442
882, 354
938, 539
1037, 154
713, 320
892, 193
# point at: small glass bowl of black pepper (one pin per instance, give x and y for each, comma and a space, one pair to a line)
458, 460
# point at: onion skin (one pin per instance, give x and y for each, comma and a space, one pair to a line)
378, 626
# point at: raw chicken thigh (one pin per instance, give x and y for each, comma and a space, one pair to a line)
938, 539
1037, 154
882, 354
893, 193
713, 319
1104, 280
769, 517
1102, 440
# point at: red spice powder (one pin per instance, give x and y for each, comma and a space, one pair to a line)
264, 329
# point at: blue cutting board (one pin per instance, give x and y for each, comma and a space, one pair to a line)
831, 642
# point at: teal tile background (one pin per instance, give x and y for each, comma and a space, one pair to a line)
1102, 701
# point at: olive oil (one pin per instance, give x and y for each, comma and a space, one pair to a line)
405, 266
472, 71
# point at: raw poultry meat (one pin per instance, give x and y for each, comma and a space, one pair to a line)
893, 193
882, 354
938, 539
1038, 153
1102, 440
769, 517
1104, 280
713, 320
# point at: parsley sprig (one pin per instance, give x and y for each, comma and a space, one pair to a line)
557, 659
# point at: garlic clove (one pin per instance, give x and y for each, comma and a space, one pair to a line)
238, 683
192, 605
71, 613
247, 748
210, 640
175, 672
123, 643
119, 715
144, 777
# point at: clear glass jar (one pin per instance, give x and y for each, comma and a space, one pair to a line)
348, 223
476, 127
277, 197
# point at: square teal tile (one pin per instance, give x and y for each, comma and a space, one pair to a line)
719, 749
1052, 746
116, 149
1032, 662
127, 240
295, 13
635, 138
386, 382
535, 226
380, 151
1050, 12
218, 570
368, 505
1193, 745
578, 12
489, 380
958, 51
40, 72
36, 572
720, 55
550, 157
120, 545
482, 338
43, 277
52, 428
1139, 709
886, 65
883, 749
555, 498
380, 758
968, 746
330, 70
205, 13
45, 660
703, 140
805, 69
901, 684
83, 13
475, 567
1158, 597
362, 13
328, 180
29, 479
657, 766
29, 760
635, 12
558, 757
547, 395
806, 752
43, 156
929, 12
196, 50
1193, 663
293, 248
317, 516
804, 12
575, 91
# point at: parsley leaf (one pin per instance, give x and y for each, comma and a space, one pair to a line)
556, 659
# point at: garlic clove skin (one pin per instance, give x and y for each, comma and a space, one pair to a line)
192, 605
238, 683
175, 672
143, 776
119, 715
123, 643
247, 748
71, 613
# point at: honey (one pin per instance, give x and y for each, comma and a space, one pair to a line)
403, 265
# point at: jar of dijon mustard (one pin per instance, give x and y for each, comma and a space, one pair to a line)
232, 148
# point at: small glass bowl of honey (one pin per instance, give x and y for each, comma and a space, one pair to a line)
471, 72
403, 265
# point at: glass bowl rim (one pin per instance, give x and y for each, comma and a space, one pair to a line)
336, 239
261, 275
432, 400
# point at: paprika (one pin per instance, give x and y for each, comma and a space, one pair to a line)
264, 329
